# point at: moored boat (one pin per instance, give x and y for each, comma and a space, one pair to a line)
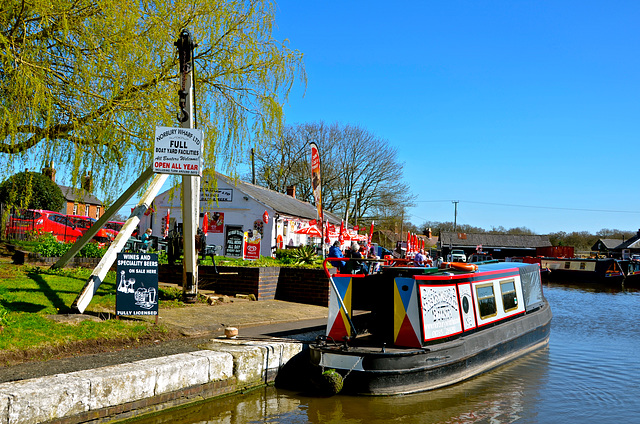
631, 269
426, 328
585, 270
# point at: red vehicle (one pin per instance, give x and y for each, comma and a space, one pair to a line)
42, 221
83, 223
113, 228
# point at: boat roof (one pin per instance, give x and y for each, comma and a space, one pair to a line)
499, 266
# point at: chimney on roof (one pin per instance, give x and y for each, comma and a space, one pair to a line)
428, 233
291, 191
87, 182
50, 172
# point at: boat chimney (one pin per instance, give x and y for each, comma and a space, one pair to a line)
428, 233
291, 191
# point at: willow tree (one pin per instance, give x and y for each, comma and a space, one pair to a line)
84, 83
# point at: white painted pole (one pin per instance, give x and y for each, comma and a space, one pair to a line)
86, 237
82, 301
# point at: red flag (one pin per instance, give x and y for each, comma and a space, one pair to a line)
205, 224
316, 181
341, 234
326, 233
408, 241
370, 236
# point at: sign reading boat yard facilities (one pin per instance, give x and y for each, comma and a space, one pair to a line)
178, 151
137, 284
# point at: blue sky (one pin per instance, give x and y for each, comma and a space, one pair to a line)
526, 112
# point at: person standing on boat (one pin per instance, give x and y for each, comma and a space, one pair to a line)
336, 252
374, 266
418, 259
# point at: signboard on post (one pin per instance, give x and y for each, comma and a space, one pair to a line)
178, 151
137, 279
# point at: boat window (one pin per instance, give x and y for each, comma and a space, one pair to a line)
567, 265
583, 265
509, 297
486, 301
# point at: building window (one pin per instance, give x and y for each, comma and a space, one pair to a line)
509, 297
97, 212
75, 209
486, 301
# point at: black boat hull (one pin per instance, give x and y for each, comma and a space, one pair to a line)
369, 371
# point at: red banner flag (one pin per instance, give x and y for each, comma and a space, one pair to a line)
205, 223
316, 181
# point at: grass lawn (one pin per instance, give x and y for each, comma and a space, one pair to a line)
28, 295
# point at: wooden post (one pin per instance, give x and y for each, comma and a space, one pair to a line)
190, 184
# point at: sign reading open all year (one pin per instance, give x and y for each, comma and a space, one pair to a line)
178, 151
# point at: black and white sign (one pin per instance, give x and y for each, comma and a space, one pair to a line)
137, 284
178, 151
219, 195
440, 311
234, 239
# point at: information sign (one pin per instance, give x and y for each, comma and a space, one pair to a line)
137, 284
178, 151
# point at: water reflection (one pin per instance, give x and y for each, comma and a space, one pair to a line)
501, 396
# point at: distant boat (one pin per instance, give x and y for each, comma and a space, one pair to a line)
631, 269
586, 270
426, 328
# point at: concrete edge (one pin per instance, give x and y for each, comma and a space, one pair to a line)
222, 367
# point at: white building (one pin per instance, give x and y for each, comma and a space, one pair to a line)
236, 207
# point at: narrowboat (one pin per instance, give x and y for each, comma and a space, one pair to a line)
409, 329
584, 270
631, 269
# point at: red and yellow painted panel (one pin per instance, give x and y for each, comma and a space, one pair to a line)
406, 313
338, 322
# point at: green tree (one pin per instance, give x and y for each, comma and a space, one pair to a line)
84, 83
31, 190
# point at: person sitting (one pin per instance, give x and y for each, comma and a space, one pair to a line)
336, 252
146, 240
418, 259
355, 266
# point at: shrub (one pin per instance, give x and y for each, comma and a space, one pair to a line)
49, 246
305, 255
92, 250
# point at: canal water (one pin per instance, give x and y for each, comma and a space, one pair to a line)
589, 373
